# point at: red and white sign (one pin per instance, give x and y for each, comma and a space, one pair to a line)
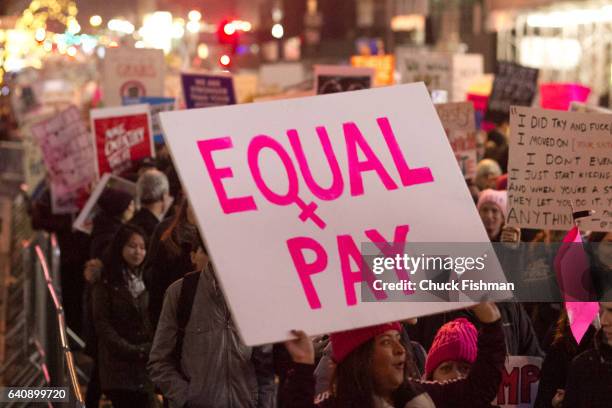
520, 381
122, 136
285, 192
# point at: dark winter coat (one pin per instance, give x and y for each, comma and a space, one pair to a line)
146, 220
162, 269
124, 337
104, 229
589, 380
553, 375
477, 390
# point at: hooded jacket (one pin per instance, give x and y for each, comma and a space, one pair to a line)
216, 369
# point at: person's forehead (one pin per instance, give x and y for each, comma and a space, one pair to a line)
389, 333
489, 205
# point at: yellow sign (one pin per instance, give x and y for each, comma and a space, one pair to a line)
383, 65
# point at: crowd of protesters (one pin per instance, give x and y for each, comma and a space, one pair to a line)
142, 292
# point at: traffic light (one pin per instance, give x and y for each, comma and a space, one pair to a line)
228, 33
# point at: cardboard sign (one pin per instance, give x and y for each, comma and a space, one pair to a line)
459, 123
84, 221
246, 87
122, 137
286, 191
205, 90
132, 73
559, 160
513, 85
69, 157
453, 73
520, 381
333, 78
384, 66
584, 108
156, 105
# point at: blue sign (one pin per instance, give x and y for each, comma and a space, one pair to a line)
205, 90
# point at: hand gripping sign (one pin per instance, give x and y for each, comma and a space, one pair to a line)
285, 193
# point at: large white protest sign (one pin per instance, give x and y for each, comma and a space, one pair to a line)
520, 381
460, 125
132, 73
286, 191
453, 73
559, 160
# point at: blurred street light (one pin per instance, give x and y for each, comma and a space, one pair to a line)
278, 31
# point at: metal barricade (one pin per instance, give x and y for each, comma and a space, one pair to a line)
34, 340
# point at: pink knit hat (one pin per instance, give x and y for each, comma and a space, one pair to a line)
344, 343
455, 341
499, 198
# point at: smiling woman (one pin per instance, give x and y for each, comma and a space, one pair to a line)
373, 369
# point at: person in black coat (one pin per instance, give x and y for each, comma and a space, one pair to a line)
116, 207
152, 192
589, 379
169, 258
561, 352
124, 333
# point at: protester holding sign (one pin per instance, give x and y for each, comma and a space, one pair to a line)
372, 364
198, 359
152, 192
590, 374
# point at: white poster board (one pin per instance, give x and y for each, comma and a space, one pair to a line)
453, 73
281, 75
520, 382
84, 221
259, 215
459, 124
559, 159
132, 73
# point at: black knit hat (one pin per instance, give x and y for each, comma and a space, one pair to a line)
114, 202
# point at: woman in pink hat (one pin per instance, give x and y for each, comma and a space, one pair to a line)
373, 370
492, 208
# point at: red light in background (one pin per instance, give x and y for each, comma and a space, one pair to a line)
225, 60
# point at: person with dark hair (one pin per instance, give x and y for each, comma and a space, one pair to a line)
152, 192
562, 351
169, 258
116, 208
198, 359
372, 365
122, 325
589, 378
